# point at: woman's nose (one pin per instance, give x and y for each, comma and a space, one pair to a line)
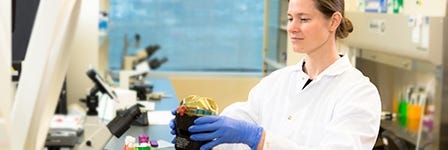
292, 27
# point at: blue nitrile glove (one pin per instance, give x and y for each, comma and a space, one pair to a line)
173, 126
221, 129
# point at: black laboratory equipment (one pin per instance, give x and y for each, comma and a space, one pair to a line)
91, 99
121, 123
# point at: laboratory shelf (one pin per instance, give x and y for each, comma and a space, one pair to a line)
410, 137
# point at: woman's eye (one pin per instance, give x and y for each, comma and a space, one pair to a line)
289, 19
303, 20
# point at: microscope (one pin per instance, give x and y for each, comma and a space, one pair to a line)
135, 69
139, 60
96, 133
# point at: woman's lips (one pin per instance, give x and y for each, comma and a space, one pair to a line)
296, 39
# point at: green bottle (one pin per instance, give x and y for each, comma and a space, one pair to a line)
402, 111
397, 5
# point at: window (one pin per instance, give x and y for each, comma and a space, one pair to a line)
195, 35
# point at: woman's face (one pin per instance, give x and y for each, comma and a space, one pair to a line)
308, 29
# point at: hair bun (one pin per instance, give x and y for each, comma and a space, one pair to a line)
348, 25
344, 28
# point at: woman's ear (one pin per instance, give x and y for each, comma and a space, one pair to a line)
336, 19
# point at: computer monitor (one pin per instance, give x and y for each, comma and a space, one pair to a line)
102, 86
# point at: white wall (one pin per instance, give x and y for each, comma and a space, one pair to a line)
84, 52
428, 7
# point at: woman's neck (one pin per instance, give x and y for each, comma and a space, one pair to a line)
318, 61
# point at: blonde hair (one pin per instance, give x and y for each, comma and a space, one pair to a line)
328, 8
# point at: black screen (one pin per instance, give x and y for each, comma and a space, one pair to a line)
23, 16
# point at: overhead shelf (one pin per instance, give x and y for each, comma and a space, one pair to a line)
418, 37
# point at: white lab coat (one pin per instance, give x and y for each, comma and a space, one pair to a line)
339, 110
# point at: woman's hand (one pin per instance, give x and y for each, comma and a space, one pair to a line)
222, 129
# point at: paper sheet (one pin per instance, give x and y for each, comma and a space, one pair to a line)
148, 105
159, 117
164, 144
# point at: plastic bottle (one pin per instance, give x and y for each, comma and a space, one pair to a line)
414, 111
402, 110
397, 5
129, 143
154, 144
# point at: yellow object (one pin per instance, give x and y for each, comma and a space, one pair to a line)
198, 106
419, 2
395, 103
414, 116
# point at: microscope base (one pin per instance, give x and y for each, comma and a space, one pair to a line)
96, 134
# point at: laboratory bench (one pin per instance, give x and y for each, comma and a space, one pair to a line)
155, 132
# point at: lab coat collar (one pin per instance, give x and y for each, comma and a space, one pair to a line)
337, 68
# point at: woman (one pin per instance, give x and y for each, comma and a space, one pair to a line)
323, 102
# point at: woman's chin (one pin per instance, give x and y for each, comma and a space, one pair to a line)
299, 50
